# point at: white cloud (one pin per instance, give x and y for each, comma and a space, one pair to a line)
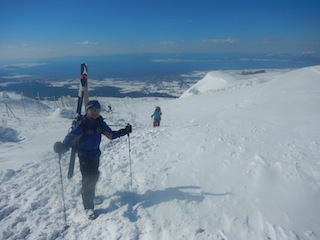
167, 43
9, 47
173, 60
22, 45
86, 42
221, 41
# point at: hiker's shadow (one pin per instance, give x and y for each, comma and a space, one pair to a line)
150, 198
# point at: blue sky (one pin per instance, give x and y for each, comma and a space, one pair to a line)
44, 28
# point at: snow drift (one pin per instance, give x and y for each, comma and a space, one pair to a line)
9, 135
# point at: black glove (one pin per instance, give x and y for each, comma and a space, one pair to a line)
60, 148
126, 130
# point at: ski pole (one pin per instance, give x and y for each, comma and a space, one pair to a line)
62, 190
130, 161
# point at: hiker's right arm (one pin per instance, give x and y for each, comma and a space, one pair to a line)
74, 135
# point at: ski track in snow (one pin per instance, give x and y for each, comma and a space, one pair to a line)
216, 168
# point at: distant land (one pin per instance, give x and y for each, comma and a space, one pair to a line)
29, 76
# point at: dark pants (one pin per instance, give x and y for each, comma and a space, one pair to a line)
90, 175
156, 122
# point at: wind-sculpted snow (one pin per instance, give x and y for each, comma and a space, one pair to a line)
9, 135
213, 81
238, 163
227, 80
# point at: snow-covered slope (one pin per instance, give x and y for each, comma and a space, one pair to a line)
212, 81
237, 160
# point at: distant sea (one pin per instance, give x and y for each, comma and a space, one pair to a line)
30, 75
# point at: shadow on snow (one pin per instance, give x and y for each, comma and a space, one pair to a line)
151, 198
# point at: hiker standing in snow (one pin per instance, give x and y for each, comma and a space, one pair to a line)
86, 135
156, 117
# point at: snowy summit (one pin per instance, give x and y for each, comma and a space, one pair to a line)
235, 157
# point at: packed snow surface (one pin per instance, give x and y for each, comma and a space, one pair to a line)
236, 157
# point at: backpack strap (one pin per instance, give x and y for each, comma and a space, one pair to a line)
97, 129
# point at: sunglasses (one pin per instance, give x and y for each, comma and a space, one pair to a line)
94, 109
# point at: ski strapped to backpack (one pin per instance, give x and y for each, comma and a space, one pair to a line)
83, 99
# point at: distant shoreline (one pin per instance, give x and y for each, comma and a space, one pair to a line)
31, 90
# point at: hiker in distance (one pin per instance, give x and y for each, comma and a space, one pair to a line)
156, 117
86, 135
